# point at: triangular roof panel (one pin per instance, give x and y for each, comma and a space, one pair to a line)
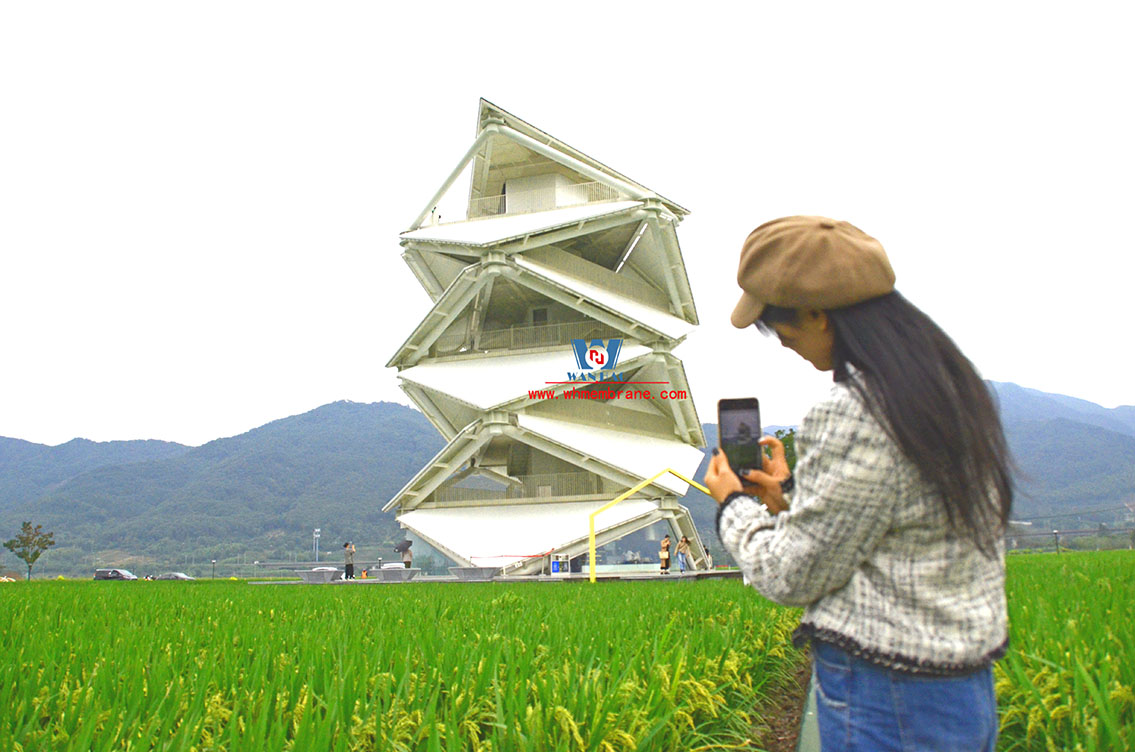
489, 382
489, 112
487, 538
636, 455
454, 454
642, 456
496, 230
660, 321
448, 305
459, 295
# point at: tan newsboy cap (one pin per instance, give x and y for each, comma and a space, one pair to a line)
809, 262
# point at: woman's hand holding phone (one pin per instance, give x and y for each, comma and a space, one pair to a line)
763, 483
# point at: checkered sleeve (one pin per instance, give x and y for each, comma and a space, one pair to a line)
838, 512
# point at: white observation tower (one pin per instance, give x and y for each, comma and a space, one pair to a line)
546, 360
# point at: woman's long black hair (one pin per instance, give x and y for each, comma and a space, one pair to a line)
931, 401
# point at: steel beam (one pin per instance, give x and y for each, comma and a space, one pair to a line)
481, 139
571, 162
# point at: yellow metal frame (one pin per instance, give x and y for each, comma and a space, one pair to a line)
616, 500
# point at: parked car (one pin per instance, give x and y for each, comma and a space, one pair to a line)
114, 574
174, 576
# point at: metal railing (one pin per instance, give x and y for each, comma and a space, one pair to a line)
541, 199
521, 337
538, 487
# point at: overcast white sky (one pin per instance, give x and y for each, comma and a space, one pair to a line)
200, 202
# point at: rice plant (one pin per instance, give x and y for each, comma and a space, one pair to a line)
1067, 681
526, 666
211, 666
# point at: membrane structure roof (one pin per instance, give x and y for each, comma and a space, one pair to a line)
491, 536
490, 381
627, 308
487, 112
640, 455
660, 321
495, 230
636, 455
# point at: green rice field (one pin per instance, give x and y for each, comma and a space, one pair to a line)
500, 666
490, 666
1067, 683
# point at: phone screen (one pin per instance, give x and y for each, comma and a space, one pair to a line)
739, 428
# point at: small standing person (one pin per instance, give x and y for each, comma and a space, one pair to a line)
348, 561
407, 556
683, 554
664, 555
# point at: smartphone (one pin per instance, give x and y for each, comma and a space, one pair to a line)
739, 431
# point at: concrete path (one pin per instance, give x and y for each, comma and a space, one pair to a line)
809, 738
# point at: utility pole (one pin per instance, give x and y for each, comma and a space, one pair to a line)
1056, 539
214, 569
315, 543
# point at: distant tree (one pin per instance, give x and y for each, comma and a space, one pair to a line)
788, 438
30, 544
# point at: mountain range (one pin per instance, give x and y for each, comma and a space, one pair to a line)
260, 494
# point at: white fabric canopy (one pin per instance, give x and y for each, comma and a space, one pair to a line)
660, 321
499, 536
639, 455
480, 232
490, 381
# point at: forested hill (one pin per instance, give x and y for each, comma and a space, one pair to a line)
29, 470
262, 491
1019, 404
1071, 455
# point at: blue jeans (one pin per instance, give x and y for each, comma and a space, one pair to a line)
681, 562
864, 707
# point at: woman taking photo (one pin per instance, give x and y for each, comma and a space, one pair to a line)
890, 534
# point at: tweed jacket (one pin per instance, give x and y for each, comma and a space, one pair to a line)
866, 548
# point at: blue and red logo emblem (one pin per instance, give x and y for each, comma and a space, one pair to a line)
596, 360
